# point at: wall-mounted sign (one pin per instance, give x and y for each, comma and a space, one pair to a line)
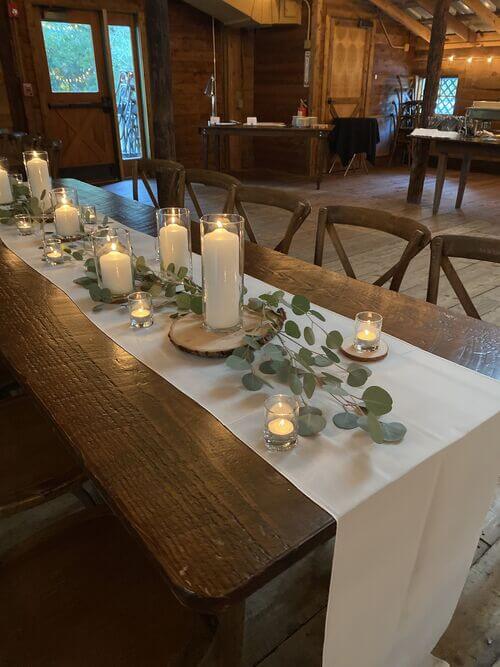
307, 65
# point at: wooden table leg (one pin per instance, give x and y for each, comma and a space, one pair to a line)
205, 148
440, 177
320, 156
227, 646
218, 151
464, 172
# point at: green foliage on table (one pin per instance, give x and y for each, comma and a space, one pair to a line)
294, 358
23, 203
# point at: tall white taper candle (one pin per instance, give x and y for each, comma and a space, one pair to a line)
5, 189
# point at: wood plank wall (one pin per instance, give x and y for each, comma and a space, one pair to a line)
5, 119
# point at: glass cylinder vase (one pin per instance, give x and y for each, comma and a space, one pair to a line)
281, 422
5, 184
36, 164
222, 257
367, 330
174, 239
67, 219
113, 261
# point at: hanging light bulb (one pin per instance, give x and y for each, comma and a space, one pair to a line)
469, 59
451, 58
490, 59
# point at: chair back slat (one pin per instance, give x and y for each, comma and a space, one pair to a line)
300, 209
169, 176
213, 179
416, 235
480, 248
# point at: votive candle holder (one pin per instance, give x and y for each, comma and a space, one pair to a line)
367, 331
140, 308
281, 422
24, 224
174, 239
52, 251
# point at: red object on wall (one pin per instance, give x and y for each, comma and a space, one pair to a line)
12, 10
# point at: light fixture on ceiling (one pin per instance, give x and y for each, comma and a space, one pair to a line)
469, 59
451, 58
490, 59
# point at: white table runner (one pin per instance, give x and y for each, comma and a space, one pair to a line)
409, 515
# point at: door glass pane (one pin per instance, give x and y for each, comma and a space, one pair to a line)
70, 57
124, 78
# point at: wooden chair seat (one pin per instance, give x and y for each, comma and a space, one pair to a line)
82, 593
416, 235
34, 464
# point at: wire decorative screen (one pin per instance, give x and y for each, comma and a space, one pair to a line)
447, 93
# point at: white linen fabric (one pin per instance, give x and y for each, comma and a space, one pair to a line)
409, 515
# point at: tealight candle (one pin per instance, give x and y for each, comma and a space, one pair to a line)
367, 329
140, 308
5, 188
53, 252
174, 238
222, 261
280, 431
24, 224
37, 171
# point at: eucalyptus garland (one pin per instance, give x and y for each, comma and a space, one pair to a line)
303, 354
23, 203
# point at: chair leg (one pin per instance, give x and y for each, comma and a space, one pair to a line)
350, 164
334, 162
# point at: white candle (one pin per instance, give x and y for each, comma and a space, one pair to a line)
221, 278
140, 313
368, 334
39, 179
67, 220
280, 426
5, 189
116, 271
174, 246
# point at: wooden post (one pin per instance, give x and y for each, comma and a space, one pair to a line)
158, 33
9, 67
434, 63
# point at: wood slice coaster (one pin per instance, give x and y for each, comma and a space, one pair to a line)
189, 334
350, 351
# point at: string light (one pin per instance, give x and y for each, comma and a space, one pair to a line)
469, 59
490, 59
451, 58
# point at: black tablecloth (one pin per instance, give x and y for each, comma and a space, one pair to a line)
354, 135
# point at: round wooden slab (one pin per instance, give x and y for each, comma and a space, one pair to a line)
350, 351
189, 334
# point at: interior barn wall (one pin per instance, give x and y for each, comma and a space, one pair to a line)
279, 68
5, 119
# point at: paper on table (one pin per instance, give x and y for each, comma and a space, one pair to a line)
434, 134
395, 583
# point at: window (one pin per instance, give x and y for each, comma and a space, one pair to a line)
447, 93
70, 57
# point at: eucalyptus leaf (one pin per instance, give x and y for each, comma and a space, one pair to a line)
321, 360
274, 351
252, 342
305, 355
331, 379
255, 304
295, 383
317, 315
98, 307
357, 377
345, 420
309, 336
140, 262
393, 431
331, 355
292, 329
377, 400
267, 367
335, 390
310, 410
171, 268
334, 340
252, 382
170, 289
85, 281
183, 301
182, 272
196, 305
237, 363
95, 292
310, 424
309, 382
106, 295
300, 305
78, 255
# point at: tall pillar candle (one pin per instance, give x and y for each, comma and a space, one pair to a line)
37, 171
222, 279
5, 188
174, 237
116, 271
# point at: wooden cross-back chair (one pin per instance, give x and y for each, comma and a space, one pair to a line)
333, 102
483, 248
168, 170
214, 179
300, 209
416, 234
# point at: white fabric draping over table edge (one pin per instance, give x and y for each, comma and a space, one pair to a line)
409, 515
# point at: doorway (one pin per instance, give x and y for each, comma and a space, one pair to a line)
90, 90
347, 62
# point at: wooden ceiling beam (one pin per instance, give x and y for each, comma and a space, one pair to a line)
484, 13
402, 17
454, 23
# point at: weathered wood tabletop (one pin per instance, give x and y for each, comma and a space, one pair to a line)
216, 518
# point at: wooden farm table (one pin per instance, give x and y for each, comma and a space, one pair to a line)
217, 520
320, 135
467, 149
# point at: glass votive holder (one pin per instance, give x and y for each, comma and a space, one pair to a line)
88, 216
113, 261
281, 425
5, 182
367, 330
67, 220
24, 224
174, 238
36, 165
16, 178
52, 251
140, 308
